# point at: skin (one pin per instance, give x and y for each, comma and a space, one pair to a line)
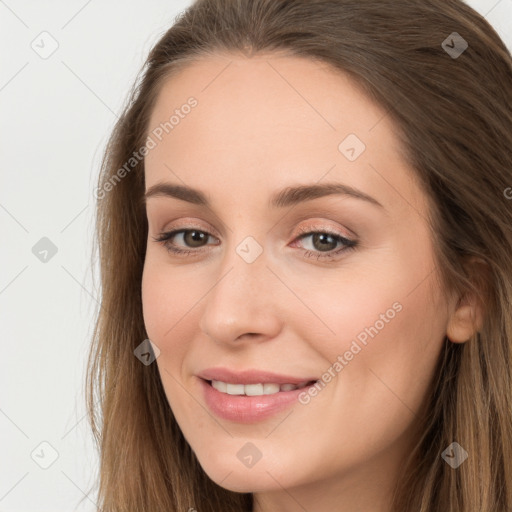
262, 124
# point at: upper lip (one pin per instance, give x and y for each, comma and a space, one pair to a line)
251, 376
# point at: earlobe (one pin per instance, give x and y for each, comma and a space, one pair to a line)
465, 321
467, 318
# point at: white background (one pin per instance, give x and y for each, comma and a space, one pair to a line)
56, 115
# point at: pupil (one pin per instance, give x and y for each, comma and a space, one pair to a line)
194, 238
322, 238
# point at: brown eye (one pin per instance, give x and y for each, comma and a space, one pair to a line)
184, 241
194, 238
324, 242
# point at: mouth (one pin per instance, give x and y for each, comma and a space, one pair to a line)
258, 388
251, 403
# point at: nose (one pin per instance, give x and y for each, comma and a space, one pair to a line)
243, 304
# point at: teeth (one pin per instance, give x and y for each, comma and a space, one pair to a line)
288, 387
254, 389
220, 386
235, 389
270, 389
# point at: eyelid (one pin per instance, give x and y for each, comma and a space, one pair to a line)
301, 230
349, 242
183, 225
324, 229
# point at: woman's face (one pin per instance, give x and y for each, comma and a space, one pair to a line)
269, 283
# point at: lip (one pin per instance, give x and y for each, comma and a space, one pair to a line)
251, 377
247, 409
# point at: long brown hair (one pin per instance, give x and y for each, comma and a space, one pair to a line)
453, 116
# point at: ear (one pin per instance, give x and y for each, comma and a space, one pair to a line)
468, 313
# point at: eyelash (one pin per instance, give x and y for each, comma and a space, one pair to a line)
349, 245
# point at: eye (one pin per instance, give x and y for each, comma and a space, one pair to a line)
323, 245
326, 244
193, 238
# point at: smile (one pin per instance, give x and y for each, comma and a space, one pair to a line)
258, 389
250, 403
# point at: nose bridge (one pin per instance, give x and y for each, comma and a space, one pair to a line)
243, 299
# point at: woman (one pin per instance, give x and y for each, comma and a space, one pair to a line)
306, 208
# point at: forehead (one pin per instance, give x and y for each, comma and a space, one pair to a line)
271, 120
270, 91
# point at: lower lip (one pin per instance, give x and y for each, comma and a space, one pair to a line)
248, 409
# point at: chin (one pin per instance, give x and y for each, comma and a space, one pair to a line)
242, 483
240, 479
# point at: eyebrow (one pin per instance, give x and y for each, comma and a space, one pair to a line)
287, 197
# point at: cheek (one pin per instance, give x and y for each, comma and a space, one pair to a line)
170, 309
378, 323
168, 301
380, 311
